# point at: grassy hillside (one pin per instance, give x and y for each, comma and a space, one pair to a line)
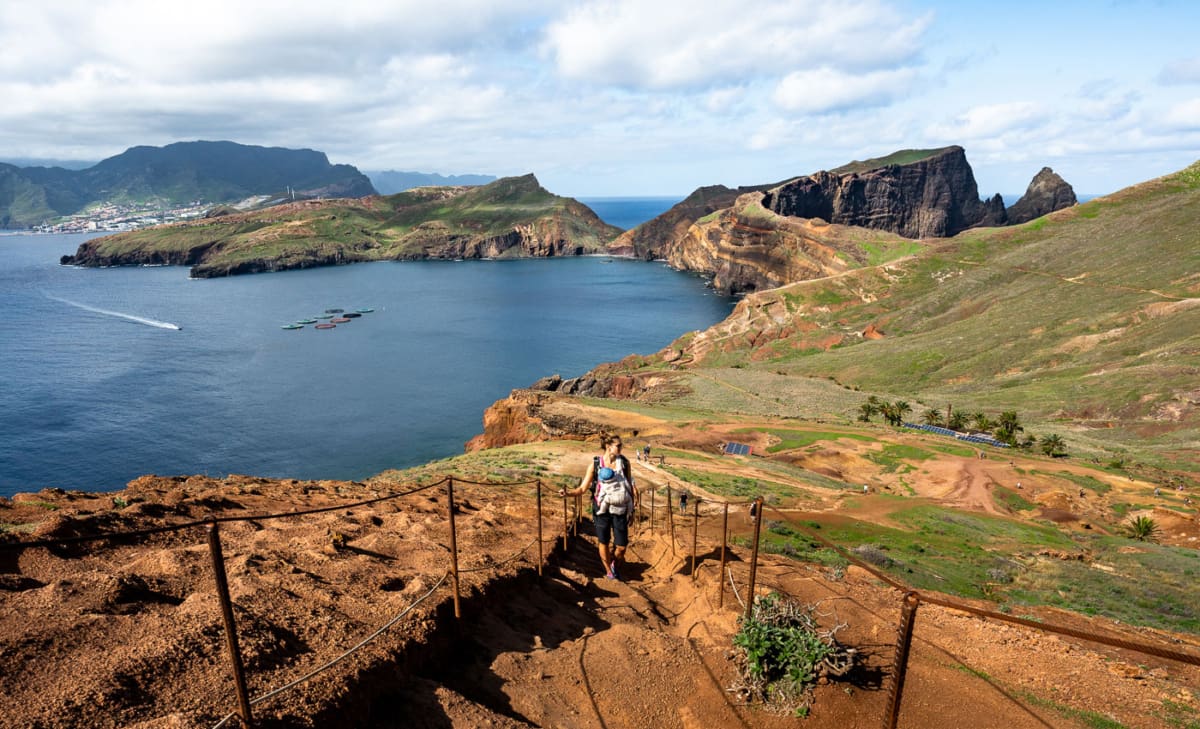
902, 157
1087, 322
509, 217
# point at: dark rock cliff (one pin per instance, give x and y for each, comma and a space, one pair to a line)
933, 197
1046, 193
755, 238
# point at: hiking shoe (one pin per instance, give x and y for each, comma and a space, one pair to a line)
609, 576
612, 571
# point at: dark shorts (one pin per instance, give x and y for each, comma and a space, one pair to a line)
616, 525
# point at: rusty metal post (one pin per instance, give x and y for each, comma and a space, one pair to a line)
908, 616
754, 557
453, 543
231, 641
541, 557
695, 537
671, 519
724, 542
653, 491
566, 525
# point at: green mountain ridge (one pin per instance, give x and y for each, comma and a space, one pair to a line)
176, 174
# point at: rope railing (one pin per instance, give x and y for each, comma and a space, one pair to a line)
59, 541
345, 654
211, 524
572, 514
911, 599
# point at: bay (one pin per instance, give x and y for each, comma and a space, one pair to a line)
97, 390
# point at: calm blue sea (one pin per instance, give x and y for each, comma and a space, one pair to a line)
97, 390
629, 212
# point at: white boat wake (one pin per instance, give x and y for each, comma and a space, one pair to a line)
119, 315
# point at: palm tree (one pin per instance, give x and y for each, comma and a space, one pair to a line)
1007, 427
902, 407
1053, 445
932, 416
1142, 528
866, 410
957, 420
981, 421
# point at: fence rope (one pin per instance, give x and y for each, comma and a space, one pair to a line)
7, 546
349, 652
1161, 652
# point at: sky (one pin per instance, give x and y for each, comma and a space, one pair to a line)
617, 97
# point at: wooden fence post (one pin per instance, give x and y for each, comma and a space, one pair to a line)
231, 641
541, 558
695, 534
754, 557
724, 543
453, 543
908, 617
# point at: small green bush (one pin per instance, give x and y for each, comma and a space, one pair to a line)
783, 653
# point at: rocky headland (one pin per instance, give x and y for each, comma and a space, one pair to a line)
821, 224
510, 218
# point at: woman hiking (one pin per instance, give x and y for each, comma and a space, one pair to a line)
609, 478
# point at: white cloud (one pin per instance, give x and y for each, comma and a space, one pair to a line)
825, 89
677, 44
986, 122
1184, 116
1184, 71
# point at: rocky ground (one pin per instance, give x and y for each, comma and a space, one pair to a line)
129, 633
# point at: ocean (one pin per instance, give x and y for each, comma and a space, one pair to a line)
113, 373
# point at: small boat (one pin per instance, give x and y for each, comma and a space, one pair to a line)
325, 325
306, 321
364, 311
334, 311
338, 320
325, 316
351, 315
292, 326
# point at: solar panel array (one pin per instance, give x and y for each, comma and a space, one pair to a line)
982, 439
737, 449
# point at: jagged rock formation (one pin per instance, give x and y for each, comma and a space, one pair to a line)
1046, 193
934, 196
510, 218
760, 237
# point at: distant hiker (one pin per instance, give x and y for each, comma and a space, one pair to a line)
1157, 492
683, 497
1081, 493
646, 452
1018, 484
753, 510
866, 488
610, 481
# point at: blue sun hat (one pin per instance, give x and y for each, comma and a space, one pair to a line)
606, 474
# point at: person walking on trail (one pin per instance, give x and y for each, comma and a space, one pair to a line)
609, 478
683, 497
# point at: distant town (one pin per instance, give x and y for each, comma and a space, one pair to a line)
120, 217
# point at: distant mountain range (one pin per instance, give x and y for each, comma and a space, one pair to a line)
390, 182
177, 174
